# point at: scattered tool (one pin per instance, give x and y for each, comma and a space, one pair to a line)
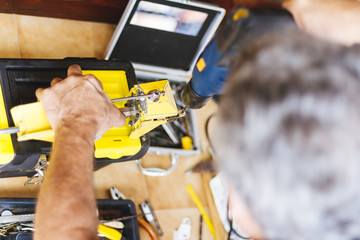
153, 96
148, 228
9, 130
203, 166
9, 222
171, 132
116, 194
200, 227
207, 170
114, 224
110, 233
184, 230
17, 218
149, 215
201, 208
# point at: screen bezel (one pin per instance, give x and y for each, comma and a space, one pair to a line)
160, 48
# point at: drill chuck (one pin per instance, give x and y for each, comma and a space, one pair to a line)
191, 99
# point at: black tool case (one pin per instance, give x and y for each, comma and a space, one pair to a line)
108, 209
19, 80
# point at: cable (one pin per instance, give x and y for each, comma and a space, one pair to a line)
148, 228
231, 225
207, 131
212, 148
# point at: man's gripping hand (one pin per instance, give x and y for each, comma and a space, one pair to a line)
80, 103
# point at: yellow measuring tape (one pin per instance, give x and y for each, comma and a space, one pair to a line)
201, 209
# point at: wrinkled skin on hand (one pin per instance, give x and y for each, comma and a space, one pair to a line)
79, 101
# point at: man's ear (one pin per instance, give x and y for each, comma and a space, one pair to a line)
242, 217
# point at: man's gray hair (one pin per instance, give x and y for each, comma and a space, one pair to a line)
289, 136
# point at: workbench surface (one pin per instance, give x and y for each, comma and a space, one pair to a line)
39, 37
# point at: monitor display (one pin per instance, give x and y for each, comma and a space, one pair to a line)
168, 18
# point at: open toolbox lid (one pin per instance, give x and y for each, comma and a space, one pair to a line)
164, 38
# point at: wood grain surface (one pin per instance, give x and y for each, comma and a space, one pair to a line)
108, 11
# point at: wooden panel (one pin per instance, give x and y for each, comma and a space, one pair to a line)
89, 10
108, 11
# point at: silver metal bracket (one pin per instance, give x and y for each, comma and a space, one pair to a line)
40, 169
184, 230
116, 194
158, 172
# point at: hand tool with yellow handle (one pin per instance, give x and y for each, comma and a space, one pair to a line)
110, 233
145, 106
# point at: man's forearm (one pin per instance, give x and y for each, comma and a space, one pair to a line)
68, 187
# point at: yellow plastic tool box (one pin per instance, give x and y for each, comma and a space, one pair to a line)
20, 153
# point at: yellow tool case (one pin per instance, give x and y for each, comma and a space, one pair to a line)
19, 80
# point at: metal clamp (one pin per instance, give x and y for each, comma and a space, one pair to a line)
39, 175
116, 194
40, 170
158, 172
153, 96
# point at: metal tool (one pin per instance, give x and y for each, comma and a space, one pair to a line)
200, 227
114, 224
15, 221
9, 130
149, 215
122, 218
17, 218
171, 132
153, 96
40, 169
4, 229
203, 166
184, 230
116, 194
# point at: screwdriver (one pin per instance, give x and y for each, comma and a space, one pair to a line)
110, 233
153, 96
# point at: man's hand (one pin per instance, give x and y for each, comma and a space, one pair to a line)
78, 110
79, 101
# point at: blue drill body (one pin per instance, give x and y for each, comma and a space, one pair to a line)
211, 79
240, 27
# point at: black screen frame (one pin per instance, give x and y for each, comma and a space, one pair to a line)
161, 48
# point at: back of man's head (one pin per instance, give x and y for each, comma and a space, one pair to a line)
289, 136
